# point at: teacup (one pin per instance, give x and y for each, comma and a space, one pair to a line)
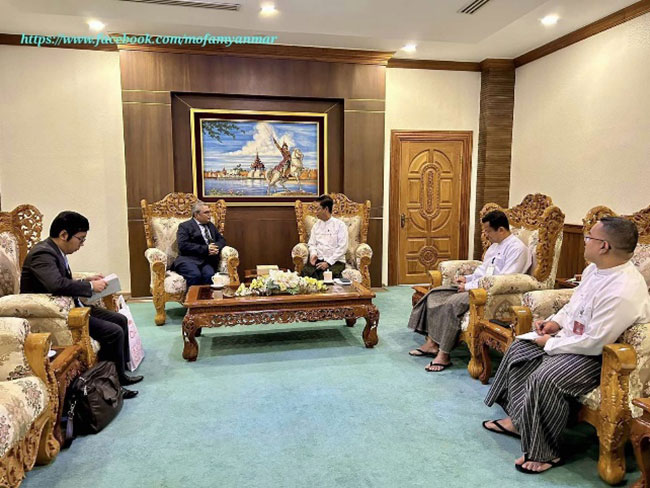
220, 279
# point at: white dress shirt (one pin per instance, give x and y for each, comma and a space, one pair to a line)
509, 256
329, 240
602, 307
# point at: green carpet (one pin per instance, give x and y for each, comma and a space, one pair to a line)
301, 405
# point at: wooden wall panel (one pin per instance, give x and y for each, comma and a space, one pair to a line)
250, 76
157, 164
572, 259
495, 138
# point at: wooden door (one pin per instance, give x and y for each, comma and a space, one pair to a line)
430, 181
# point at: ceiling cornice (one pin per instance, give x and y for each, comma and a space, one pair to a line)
628, 13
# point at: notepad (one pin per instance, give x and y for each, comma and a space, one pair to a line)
112, 286
529, 336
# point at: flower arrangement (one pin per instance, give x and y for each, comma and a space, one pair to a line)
280, 282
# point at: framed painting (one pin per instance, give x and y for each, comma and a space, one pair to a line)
258, 158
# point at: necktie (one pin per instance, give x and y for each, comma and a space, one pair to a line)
67, 266
206, 233
76, 300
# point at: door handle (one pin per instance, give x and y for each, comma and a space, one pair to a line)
402, 220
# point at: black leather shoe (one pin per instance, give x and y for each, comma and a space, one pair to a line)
126, 394
130, 380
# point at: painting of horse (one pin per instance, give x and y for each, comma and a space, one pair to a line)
259, 157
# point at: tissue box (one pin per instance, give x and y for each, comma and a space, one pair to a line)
263, 269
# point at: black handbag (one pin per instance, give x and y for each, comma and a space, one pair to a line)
94, 399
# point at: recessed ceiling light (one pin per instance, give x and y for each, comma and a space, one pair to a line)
268, 9
410, 48
550, 19
96, 25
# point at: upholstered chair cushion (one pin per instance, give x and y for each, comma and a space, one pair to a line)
13, 363
531, 239
352, 274
9, 269
301, 250
226, 253
21, 402
45, 313
641, 260
174, 283
452, 269
9, 280
9, 246
164, 234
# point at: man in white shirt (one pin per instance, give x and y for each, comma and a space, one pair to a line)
439, 313
537, 378
327, 244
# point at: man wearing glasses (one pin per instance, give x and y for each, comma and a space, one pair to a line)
46, 270
537, 378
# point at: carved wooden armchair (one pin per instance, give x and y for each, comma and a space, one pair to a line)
538, 223
161, 220
56, 315
625, 373
28, 401
357, 218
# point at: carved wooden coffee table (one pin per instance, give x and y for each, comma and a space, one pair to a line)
210, 308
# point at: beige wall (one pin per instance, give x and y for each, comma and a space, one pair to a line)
430, 100
582, 123
61, 145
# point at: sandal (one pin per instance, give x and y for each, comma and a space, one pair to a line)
521, 469
501, 429
422, 353
439, 365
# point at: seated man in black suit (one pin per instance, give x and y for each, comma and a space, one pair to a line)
199, 245
46, 270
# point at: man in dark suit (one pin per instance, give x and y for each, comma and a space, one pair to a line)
199, 245
46, 270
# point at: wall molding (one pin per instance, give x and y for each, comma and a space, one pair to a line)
619, 17
434, 65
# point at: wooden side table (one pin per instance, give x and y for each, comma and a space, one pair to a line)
565, 283
640, 437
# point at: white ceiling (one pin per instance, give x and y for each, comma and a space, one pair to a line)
500, 29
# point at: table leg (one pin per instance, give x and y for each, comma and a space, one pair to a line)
369, 335
190, 347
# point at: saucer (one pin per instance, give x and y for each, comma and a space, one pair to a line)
330, 282
217, 287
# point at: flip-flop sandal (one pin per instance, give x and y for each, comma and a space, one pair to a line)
501, 429
441, 366
553, 464
423, 354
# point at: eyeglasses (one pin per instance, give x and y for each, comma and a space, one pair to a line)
590, 238
81, 239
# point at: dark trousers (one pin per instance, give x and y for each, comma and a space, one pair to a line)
195, 273
111, 330
312, 272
